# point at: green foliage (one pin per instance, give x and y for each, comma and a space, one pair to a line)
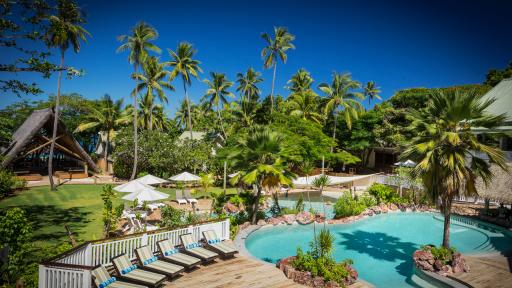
111, 214
172, 217
494, 76
347, 206
383, 193
319, 260
236, 200
7, 182
299, 206
445, 255
219, 199
368, 200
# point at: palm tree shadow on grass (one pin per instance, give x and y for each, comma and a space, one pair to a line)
382, 246
42, 216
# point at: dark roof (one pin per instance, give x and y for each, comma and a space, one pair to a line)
43, 119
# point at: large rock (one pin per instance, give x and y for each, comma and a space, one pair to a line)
276, 221
320, 218
261, 222
459, 264
368, 212
384, 208
393, 207
438, 265
305, 218
245, 225
289, 219
230, 208
422, 255
376, 210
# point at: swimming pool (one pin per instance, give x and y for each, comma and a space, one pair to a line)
381, 246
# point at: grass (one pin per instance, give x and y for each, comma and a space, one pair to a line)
78, 206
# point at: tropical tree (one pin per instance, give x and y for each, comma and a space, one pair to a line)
260, 159
304, 104
341, 94
138, 43
64, 31
449, 155
216, 94
371, 91
300, 81
184, 65
275, 49
149, 115
247, 86
153, 80
106, 117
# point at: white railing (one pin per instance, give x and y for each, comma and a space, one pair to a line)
73, 269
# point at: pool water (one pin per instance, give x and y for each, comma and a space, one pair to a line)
319, 203
380, 246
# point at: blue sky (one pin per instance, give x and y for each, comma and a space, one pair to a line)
398, 44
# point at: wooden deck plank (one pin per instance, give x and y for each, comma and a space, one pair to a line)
238, 272
487, 272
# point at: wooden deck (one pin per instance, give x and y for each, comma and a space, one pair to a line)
238, 272
488, 272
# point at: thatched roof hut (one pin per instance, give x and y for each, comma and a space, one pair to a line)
500, 189
33, 139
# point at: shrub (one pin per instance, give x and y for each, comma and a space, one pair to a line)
368, 200
347, 206
172, 217
445, 255
7, 183
286, 211
236, 200
383, 193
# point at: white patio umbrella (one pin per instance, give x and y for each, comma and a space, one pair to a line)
185, 177
407, 163
151, 180
132, 186
146, 195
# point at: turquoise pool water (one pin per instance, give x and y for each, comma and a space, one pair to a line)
381, 246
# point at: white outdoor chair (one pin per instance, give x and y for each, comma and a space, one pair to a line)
179, 197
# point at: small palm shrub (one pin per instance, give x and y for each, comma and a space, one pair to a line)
445, 255
383, 193
347, 206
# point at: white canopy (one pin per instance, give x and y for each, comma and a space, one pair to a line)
185, 177
233, 175
146, 195
407, 163
132, 186
333, 180
151, 180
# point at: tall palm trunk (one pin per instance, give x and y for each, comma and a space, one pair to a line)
334, 130
272, 91
106, 152
221, 122
256, 204
135, 136
55, 124
447, 207
189, 120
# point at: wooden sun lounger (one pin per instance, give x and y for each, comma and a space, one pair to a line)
179, 197
136, 275
193, 248
100, 276
150, 262
225, 248
172, 254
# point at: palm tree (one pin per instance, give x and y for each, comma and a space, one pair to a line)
300, 81
64, 31
341, 94
247, 86
105, 117
260, 159
149, 115
153, 81
138, 43
449, 155
186, 66
276, 49
371, 91
217, 92
305, 105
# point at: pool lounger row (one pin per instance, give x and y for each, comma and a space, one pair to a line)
152, 271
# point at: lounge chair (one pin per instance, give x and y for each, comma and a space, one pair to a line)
179, 197
150, 262
225, 248
129, 272
103, 279
173, 255
193, 248
189, 198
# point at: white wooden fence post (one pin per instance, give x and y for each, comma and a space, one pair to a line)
88, 255
42, 276
87, 279
144, 239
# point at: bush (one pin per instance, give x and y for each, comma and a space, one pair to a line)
172, 217
383, 193
368, 200
445, 255
7, 183
347, 206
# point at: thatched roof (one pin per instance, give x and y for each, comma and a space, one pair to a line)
40, 125
500, 189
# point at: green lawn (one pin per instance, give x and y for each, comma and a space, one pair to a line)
78, 206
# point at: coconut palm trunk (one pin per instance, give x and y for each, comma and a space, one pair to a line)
334, 130
189, 118
221, 122
447, 206
256, 204
55, 124
135, 134
105, 155
272, 91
